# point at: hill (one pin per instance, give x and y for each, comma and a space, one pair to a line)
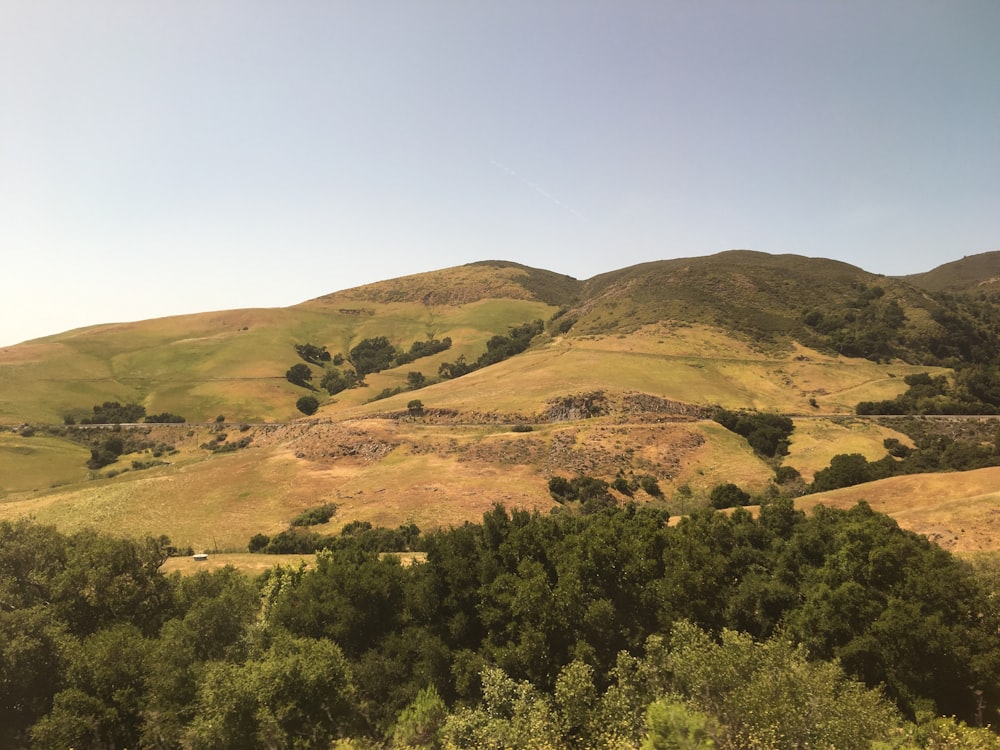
621, 382
973, 273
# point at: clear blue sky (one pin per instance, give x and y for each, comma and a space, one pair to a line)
160, 158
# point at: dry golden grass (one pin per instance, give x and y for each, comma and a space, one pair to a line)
957, 510
390, 472
254, 565
815, 441
244, 561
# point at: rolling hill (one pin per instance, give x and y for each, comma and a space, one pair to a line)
621, 382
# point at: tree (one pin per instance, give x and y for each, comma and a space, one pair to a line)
308, 405
372, 355
415, 380
112, 412
770, 695
673, 726
845, 470
334, 381
419, 724
728, 495
415, 407
103, 705
315, 355
297, 693
299, 374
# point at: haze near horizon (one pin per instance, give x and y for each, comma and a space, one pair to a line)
160, 159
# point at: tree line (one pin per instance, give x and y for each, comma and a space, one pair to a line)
612, 629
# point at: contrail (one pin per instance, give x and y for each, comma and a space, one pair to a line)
538, 189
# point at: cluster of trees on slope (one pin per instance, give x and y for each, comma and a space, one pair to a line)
767, 433
872, 325
113, 412
975, 390
378, 353
609, 630
498, 348
370, 355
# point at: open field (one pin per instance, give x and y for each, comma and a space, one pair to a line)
256, 564
32, 464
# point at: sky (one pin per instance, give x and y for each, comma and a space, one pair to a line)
161, 158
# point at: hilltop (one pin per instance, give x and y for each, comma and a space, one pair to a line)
619, 378
973, 273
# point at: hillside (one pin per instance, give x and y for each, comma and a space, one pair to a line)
973, 273
621, 382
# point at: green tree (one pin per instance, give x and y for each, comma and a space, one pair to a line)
673, 726
102, 705
33, 651
372, 355
769, 695
295, 694
334, 381
299, 374
845, 470
420, 723
312, 354
308, 405
728, 495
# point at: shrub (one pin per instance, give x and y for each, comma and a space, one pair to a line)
650, 486
728, 495
166, 418
308, 405
316, 355
299, 374
334, 381
112, 412
315, 516
767, 434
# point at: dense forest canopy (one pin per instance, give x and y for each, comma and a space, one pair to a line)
612, 629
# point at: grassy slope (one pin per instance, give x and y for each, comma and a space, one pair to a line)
394, 471
627, 339
972, 273
956, 510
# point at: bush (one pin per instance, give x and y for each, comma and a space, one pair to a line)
299, 374
334, 381
316, 355
308, 405
650, 486
166, 418
372, 355
590, 492
112, 412
315, 516
845, 470
767, 434
728, 495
